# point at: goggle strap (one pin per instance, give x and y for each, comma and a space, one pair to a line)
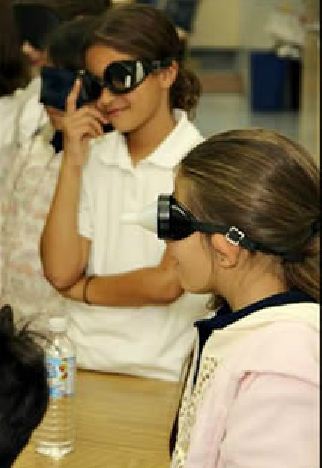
237, 237
159, 64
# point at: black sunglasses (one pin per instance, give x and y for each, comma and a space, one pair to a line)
121, 77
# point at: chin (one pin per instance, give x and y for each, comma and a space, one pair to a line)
121, 127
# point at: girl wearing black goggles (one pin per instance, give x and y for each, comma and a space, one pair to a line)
120, 77
261, 192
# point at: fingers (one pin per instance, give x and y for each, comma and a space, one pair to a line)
93, 127
93, 112
88, 118
71, 101
83, 126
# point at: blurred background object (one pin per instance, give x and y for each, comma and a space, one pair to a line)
309, 126
37, 19
259, 66
13, 70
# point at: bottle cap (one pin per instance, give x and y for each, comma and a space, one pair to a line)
58, 324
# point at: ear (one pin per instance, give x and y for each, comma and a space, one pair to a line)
226, 254
167, 76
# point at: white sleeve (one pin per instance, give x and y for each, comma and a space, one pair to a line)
273, 423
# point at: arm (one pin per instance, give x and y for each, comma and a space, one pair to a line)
145, 286
64, 252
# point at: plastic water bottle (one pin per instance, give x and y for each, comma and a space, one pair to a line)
55, 436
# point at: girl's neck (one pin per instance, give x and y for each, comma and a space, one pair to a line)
251, 297
144, 140
243, 293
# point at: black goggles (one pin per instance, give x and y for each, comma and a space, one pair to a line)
175, 222
121, 77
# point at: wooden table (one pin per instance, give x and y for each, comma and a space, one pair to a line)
122, 422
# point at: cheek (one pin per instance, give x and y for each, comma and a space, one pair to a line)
147, 94
194, 266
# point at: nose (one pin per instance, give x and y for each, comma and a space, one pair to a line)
105, 98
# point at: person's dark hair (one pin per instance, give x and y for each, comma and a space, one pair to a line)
35, 22
267, 186
146, 33
66, 44
70, 9
23, 387
13, 67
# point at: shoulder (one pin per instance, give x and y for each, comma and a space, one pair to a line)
287, 347
281, 339
32, 114
9, 107
187, 129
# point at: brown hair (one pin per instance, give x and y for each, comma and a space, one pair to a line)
13, 67
267, 186
146, 33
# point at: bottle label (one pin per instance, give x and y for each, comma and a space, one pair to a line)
61, 376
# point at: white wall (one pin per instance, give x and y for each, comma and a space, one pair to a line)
235, 23
217, 24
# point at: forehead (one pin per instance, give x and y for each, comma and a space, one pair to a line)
99, 56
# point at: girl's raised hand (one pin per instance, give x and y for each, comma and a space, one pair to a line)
79, 126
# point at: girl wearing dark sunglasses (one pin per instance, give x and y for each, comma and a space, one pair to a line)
133, 317
244, 225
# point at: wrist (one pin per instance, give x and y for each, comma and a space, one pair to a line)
88, 280
69, 165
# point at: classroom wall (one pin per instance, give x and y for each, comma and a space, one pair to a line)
235, 23
309, 131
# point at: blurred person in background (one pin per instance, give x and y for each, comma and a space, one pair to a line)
28, 193
36, 22
13, 73
13, 76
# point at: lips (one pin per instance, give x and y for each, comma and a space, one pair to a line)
112, 112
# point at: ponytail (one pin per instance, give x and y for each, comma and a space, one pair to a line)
185, 91
305, 275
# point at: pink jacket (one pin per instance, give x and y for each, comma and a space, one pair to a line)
261, 407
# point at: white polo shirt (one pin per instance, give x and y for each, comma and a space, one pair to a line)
148, 341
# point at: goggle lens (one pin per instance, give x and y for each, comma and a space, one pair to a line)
174, 221
121, 77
